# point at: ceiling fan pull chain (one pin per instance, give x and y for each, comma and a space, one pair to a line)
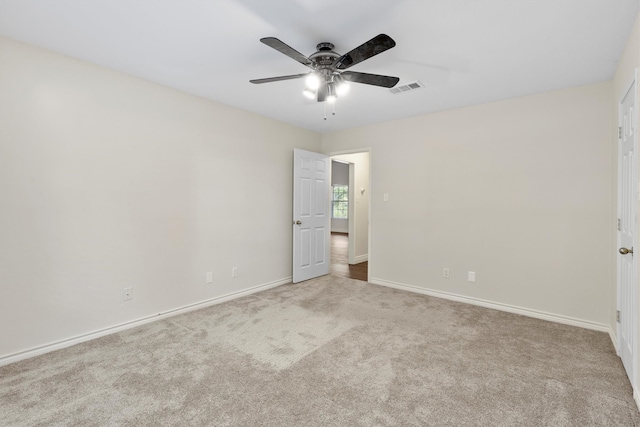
325, 110
334, 108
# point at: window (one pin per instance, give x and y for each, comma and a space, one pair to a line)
340, 202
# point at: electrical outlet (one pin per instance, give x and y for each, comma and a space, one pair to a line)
127, 294
234, 272
471, 276
209, 277
445, 272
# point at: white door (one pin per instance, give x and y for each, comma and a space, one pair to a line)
627, 203
311, 215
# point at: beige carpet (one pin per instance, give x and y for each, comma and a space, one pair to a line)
328, 352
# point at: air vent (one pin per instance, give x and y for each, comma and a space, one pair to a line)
406, 88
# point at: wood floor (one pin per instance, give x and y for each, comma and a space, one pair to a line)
340, 259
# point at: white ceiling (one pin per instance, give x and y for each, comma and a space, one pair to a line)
465, 52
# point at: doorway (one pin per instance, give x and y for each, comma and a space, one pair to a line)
350, 233
340, 259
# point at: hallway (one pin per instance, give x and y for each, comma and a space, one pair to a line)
340, 259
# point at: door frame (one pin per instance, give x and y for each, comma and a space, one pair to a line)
352, 225
636, 199
351, 222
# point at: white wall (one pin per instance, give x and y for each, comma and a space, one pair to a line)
629, 62
108, 181
339, 173
360, 163
518, 191
340, 176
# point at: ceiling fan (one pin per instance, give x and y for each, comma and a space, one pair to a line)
328, 76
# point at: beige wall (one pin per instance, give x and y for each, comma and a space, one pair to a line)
517, 191
108, 182
627, 66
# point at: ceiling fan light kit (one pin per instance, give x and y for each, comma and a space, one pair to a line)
328, 77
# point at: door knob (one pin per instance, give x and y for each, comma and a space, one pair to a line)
298, 222
625, 251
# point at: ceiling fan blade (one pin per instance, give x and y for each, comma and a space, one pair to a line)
322, 93
370, 79
280, 78
376, 45
287, 50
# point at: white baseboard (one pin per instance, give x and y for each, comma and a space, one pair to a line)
362, 258
636, 397
586, 324
614, 341
36, 351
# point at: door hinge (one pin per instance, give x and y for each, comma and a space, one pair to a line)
619, 132
617, 316
618, 224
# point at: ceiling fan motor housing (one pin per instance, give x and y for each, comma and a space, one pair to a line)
325, 56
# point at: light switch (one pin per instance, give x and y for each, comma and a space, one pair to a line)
386, 197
